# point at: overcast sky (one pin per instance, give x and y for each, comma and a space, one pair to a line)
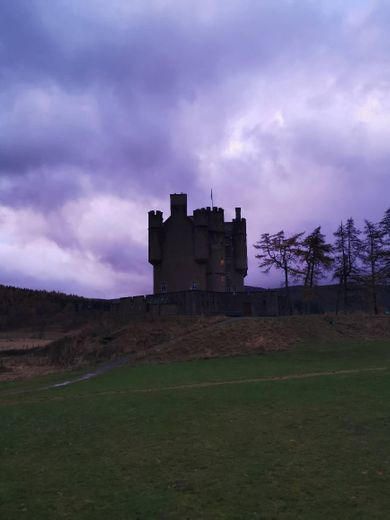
281, 107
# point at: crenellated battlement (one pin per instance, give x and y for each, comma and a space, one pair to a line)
208, 210
155, 219
156, 213
201, 217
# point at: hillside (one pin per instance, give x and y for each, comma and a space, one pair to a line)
174, 339
39, 310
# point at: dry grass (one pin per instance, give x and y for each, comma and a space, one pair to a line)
22, 343
15, 369
187, 337
253, 335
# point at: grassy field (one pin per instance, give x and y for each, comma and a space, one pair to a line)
212, 439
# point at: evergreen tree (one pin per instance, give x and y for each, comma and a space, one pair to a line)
385, 228
347, 249
316, 254
373, 255
385, 223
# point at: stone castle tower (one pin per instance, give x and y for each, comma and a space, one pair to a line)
201, 251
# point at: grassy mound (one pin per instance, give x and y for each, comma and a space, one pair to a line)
185, 338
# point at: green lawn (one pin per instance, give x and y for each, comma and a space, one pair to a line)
316, 447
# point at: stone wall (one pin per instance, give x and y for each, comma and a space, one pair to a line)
265, 302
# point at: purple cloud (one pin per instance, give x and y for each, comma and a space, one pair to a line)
281, 107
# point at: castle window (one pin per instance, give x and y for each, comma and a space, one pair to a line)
164, 287
194, 286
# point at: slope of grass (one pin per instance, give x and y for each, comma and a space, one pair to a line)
183, 338
301, 448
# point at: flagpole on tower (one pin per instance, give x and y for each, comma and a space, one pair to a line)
212, 202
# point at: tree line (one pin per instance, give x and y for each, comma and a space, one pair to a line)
355, 258
20, 307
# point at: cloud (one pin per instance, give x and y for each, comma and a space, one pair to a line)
280, 107
97, 254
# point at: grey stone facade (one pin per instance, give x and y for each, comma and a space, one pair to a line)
197, 252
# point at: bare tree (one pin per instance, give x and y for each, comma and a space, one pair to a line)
281, 253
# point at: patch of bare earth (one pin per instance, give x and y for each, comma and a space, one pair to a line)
22, 343
18, 353
12, 369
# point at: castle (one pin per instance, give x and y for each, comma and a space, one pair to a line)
199, 265
199, 251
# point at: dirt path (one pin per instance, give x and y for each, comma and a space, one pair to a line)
289, 377
98, 371
107, 366
206, 384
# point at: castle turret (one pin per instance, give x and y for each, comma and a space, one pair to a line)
216, 278
201, 235
155, 236
239, 243
179, 204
